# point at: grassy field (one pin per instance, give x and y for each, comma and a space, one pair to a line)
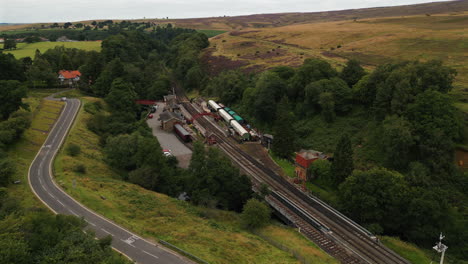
372, 41
25, 49
212, 235
211, 33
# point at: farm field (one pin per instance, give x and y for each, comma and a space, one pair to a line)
212, 235
372, 41
25, 49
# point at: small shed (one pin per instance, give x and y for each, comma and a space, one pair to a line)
267, 140
304, 159
169, 119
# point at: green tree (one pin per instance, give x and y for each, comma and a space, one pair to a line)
214, 182
41, 73
283, 131
327, 104
7, 168
338, 88
321, 170
377, 196
10, 68
312, 70
9, 44
11, 95
114, 69
437, 125
122, 96
159, 88
397, 141
342, 166
121, 150
73, 150
352, 72
229, 86
255, 214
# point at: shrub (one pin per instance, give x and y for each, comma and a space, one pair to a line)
73, 150
93, 108
80, 168
255, 214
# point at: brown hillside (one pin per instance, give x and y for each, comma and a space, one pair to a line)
372, 41
282, 19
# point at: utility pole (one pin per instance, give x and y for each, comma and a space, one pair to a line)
441, 248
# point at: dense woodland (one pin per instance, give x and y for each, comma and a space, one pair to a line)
391, 132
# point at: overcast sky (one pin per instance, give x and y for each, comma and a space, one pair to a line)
29, 11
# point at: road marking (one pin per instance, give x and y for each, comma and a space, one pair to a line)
131, 239
107, 231
127, 242
52, 196
91, 224
150, 254
60, 203
71, 211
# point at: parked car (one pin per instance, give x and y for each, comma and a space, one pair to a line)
63, 99
167, 152
150, 116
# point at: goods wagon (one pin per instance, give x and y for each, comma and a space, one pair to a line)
238, 119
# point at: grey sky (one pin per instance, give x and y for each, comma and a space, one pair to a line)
28, 11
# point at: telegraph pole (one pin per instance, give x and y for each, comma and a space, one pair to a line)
441, 248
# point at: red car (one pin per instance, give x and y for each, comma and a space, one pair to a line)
150, 116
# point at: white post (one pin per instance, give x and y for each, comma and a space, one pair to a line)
442, 257
441, 248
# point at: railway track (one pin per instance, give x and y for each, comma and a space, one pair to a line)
333, 232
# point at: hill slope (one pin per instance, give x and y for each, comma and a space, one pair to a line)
372, 41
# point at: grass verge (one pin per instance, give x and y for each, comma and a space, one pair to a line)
406, 250
44, 114
212, 235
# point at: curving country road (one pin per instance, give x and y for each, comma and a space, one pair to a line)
43, 185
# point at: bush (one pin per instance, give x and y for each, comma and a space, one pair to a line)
255, 214
93, 108
80, 168
73, 150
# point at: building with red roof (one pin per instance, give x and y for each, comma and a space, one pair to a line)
69, 77
304, 159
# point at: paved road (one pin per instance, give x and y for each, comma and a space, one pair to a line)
41, 182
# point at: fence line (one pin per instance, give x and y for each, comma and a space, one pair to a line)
293, 252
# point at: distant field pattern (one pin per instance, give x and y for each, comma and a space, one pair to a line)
25, 49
